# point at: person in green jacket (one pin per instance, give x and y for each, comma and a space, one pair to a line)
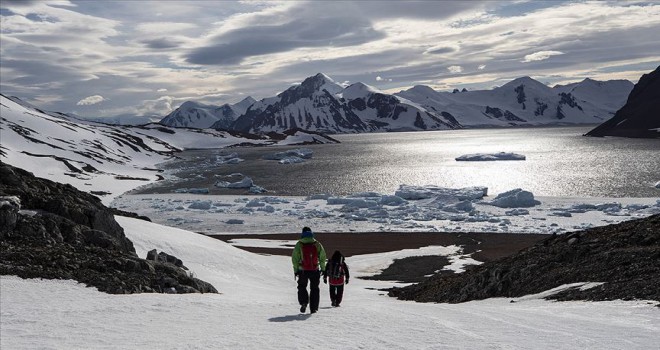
308, 260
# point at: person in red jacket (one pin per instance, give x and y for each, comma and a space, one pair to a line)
336, 271
308, 260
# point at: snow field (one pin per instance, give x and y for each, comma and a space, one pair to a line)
257, 309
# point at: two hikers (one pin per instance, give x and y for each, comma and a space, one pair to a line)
308, 259
336, 271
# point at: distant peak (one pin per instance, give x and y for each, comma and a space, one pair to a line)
321, 76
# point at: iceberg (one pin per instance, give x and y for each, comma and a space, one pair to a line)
516, 198
304, 153
476, 157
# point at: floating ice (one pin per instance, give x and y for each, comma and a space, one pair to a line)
201, 205
423, 192
516, 212
291, 160
228, 159
352, 202
245, 183
516, 198
234, 222
257, 189
304, 153
320, 196
657, 184
490, 156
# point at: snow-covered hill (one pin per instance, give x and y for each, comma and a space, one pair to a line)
321, 104
197, 115
105, 159
525, 101
257, 309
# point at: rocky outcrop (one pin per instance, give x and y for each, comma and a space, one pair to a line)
640, 116
51, 230
624, 257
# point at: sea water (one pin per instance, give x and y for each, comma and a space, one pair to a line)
559, 162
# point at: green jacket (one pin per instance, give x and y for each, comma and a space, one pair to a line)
297, 253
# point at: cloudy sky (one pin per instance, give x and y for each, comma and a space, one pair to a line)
109, 58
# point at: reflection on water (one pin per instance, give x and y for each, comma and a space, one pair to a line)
560, 162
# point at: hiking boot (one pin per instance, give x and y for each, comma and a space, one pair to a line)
312, 311
303, 307
334, 304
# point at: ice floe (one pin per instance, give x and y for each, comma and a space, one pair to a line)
476, 157
412, 208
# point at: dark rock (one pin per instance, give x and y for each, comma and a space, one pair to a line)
62, 233
640, 116
152, 254
625, 257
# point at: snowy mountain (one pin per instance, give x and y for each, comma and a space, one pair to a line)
198, 115
93, 156
321, 104
525, 101
640, 116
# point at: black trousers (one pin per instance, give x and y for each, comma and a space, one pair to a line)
313, 278
336, 293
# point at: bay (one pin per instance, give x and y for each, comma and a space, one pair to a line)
559, 162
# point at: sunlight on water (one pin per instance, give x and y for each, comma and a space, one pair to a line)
560, 162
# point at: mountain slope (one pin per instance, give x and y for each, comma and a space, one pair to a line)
321, 104
198, 115
640, 116
106, 159
525, 101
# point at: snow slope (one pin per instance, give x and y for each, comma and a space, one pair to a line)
321, 104
106, 159
198, 115
525, 101
257, 309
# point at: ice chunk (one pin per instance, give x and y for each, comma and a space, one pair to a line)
201, 205
423, 192
245, 183
490, 156
321, 196
657, 184
198, 190
352, 202
304, 153
517, 212
257, 189
516, 198
392, 200
234, 222
291, 160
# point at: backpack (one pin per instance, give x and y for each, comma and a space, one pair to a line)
336, 272
309, 257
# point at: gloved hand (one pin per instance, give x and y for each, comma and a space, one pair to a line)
296, 274
325, 279
347, 281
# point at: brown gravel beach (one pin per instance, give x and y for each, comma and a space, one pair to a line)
484, 246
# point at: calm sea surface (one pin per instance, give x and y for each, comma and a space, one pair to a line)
560, 162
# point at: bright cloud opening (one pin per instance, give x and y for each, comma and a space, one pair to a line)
540, 56
455, 69
90, 100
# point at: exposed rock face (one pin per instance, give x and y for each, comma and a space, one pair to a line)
51, 230
640, 116
625, 256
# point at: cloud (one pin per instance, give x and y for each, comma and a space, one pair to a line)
540, 56
235, 45
162, 90
90, 100
161, 43
455, 69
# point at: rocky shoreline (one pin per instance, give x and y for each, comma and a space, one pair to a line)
53, 231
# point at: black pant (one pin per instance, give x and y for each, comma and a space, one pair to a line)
314, 277
336, 293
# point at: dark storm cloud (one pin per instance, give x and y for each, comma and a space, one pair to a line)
161, 43
234, 46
